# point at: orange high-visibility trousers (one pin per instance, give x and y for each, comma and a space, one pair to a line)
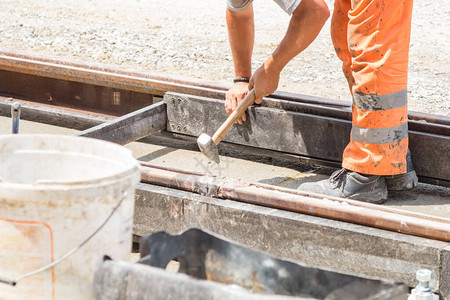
371, 37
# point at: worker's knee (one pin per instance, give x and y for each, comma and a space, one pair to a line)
317, 7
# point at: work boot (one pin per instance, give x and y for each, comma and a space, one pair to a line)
351, 185
403, 182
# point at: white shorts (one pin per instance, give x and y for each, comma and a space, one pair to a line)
288, 6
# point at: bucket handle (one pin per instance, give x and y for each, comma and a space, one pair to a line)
68, 254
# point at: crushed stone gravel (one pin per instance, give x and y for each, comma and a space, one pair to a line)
189, 38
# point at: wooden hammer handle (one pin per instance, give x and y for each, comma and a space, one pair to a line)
239, 111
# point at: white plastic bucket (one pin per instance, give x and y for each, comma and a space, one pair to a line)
55, 191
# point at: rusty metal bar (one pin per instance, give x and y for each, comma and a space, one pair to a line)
290, 191
157, 84
175, 170
296, 201
53, 115
130, 81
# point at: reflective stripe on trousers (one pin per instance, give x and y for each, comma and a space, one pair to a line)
371, 37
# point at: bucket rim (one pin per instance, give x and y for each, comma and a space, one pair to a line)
129, 163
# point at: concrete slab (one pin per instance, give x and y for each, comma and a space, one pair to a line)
425, 198
320, 242
445, 272
28, 127
314, 241
197, 162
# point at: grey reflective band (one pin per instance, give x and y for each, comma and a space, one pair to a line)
380, 102
380, 135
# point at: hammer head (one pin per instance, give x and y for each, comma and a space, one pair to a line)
208, 147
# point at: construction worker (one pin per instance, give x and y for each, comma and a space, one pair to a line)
371, 37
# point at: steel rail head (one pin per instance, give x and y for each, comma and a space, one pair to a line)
155, 83
282, 198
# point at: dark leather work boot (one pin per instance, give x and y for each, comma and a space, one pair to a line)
403, 182
351, 185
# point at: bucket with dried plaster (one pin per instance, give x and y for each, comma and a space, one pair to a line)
65, 203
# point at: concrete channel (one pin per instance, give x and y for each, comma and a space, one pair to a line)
309, 240
389, 242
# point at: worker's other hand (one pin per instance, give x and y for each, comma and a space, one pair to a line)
264, 81
234, 96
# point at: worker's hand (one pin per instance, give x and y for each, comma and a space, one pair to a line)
234, 96
264, 81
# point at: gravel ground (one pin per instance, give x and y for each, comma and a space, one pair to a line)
189, 38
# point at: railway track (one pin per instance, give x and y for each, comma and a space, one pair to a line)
125, 106
65, 87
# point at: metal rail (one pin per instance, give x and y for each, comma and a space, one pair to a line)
157, 84
147, 169
260, 194
282, 198
66, 91
117, 92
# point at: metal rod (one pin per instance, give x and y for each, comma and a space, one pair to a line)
281, 198
200, 177
54, 115
176, 170
15, 115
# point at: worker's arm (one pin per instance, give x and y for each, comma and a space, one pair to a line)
241, 34
306, 23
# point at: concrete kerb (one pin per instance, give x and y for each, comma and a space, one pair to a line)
445, 273
313, 241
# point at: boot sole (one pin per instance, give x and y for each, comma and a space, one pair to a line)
375, 198
403, 182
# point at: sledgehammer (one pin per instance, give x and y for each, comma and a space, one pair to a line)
208, 145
